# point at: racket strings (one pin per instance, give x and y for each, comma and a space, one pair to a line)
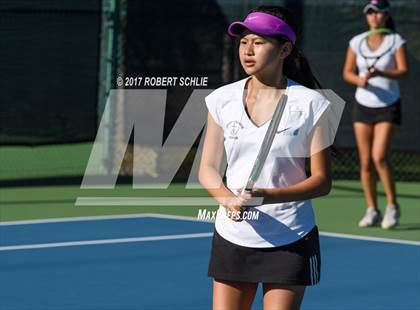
375, 58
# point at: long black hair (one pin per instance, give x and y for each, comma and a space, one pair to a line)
390, 23
295, 66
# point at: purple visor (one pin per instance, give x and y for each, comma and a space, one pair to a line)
263, 24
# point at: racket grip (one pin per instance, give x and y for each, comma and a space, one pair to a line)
248, 188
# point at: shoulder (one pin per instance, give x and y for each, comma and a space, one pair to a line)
398, 40
304, 95
311, 104
222, 97
225, 94
228, 89
306, 99
398, 36
355, 41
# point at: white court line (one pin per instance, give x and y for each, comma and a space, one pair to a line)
179, 217
100, 218
366, 238
194, 219
144, 201
77, 219
103, 241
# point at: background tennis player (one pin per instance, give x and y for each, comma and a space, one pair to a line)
375, 60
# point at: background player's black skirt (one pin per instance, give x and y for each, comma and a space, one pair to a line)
298, 263
391, 114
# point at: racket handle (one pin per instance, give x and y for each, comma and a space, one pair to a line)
246, 190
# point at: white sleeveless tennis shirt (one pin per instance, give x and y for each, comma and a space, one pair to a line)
282, 223
380, 91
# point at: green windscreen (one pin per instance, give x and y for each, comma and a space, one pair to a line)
48, 71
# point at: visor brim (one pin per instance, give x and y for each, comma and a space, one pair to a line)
375, 8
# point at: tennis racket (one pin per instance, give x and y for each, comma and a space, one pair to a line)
265, 147
371, 60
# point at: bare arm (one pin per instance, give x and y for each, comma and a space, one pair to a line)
318, 184
401, 66
349, 70
211, 159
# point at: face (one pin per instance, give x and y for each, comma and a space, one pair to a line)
375, 19
259, 54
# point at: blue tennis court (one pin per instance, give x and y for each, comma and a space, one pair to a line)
160, 262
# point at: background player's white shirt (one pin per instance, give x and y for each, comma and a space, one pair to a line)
281, 223
381, 91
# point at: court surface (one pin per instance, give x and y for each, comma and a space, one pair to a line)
152, 261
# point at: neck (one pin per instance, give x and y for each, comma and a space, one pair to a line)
275, 81
266, 90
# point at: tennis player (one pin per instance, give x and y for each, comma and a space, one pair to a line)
280, 248
377, 110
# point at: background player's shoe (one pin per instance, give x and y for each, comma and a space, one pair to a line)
392, 214
372, 218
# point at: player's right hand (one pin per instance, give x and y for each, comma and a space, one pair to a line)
363, 80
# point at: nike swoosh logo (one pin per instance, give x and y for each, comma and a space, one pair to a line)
279, 131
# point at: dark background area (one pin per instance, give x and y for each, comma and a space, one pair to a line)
50, 63
49, 71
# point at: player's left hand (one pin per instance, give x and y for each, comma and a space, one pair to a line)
253, 199
374, 72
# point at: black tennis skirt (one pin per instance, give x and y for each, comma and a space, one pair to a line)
298, 263
391, 114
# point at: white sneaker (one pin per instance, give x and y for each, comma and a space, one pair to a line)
372, 218
392, 214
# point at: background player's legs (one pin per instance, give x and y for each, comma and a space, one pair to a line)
229, 295
364, 140
381, 139
282, 297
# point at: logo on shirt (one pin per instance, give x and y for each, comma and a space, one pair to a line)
233, 128
293, 124
290, 132
283, 130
